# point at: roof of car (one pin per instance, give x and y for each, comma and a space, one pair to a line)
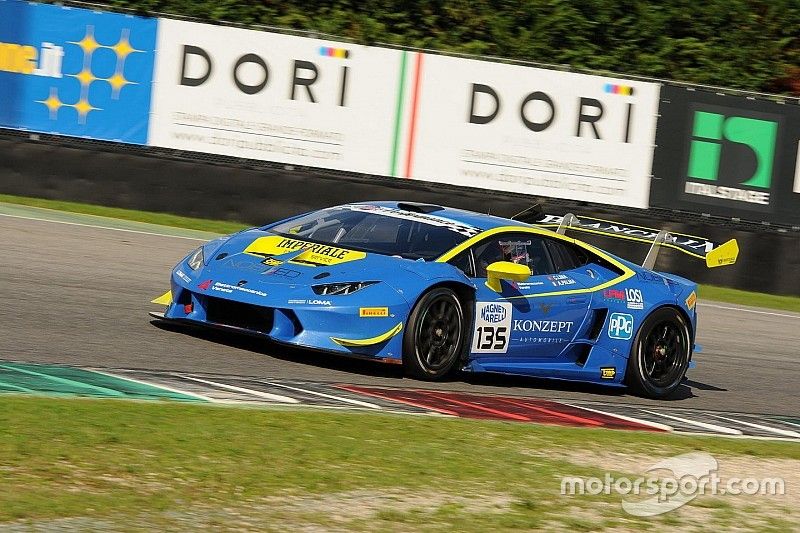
462, 216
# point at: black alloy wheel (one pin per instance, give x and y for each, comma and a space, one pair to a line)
434, 339
660, 354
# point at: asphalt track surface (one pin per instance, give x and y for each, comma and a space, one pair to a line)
79, 295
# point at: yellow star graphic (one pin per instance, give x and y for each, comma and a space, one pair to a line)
52, 103
123, 48
83, 107
117, 82
85, 77
88, 44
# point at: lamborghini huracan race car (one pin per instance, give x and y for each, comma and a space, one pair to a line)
435, 288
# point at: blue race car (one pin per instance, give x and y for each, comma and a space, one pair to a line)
435, 288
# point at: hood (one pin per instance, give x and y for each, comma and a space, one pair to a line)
261, 258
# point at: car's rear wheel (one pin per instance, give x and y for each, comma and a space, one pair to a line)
434, 339
660, 354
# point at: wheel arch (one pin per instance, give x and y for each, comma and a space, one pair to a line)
467, 295
681, 312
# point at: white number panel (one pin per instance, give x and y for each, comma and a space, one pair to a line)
492, 327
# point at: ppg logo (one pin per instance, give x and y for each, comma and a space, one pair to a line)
620, 326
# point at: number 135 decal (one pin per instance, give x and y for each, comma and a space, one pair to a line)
492, 327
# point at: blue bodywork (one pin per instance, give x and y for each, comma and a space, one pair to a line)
576, 325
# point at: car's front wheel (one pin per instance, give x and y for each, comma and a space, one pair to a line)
660, 354
434, 339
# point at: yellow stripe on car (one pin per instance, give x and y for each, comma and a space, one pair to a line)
383, 337
626, 272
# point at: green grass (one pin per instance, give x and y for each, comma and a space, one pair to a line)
164, 219
170, 465
757, 299
706, 292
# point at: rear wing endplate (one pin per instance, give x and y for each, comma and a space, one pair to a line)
698, 247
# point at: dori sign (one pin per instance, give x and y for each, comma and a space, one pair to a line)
534, 131
273, 97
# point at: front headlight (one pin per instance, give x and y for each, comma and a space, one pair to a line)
340, 289
196, 259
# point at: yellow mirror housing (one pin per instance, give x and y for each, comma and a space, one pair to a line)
505, 270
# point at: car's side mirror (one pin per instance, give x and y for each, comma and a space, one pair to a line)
505, 270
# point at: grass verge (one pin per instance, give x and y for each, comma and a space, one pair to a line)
163, 219
707, 292
95, 464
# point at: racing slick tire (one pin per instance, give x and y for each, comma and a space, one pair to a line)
660, 354
435, 335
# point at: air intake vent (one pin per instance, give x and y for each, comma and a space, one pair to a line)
419, 208
598, 320
582, 353
239, 315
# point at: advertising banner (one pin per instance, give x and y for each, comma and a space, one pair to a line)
77, 72
528, 130
727, 155
274, 97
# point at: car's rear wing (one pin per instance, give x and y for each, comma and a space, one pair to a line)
699, 247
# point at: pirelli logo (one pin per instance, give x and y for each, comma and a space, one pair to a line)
368, 312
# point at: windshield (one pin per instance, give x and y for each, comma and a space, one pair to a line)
378, 229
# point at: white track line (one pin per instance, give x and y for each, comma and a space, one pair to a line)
784, 432
782, 421
96, 226
621, 417
155, 385
713, 427
754, 311
322, 394
260, 394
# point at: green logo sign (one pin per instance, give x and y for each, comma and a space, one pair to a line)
709, 132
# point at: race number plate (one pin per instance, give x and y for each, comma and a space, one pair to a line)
492, 327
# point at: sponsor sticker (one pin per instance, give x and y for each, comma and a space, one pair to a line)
229, 289
282, 272
541, 340
309, 302
614, 294
183, 276
608, 372
544, 326
522, 285
492, 327
242, 264
620, 326
634, 298
367, 312
433, 220
691, 300
312, 253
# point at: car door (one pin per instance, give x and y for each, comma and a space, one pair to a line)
525, 321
